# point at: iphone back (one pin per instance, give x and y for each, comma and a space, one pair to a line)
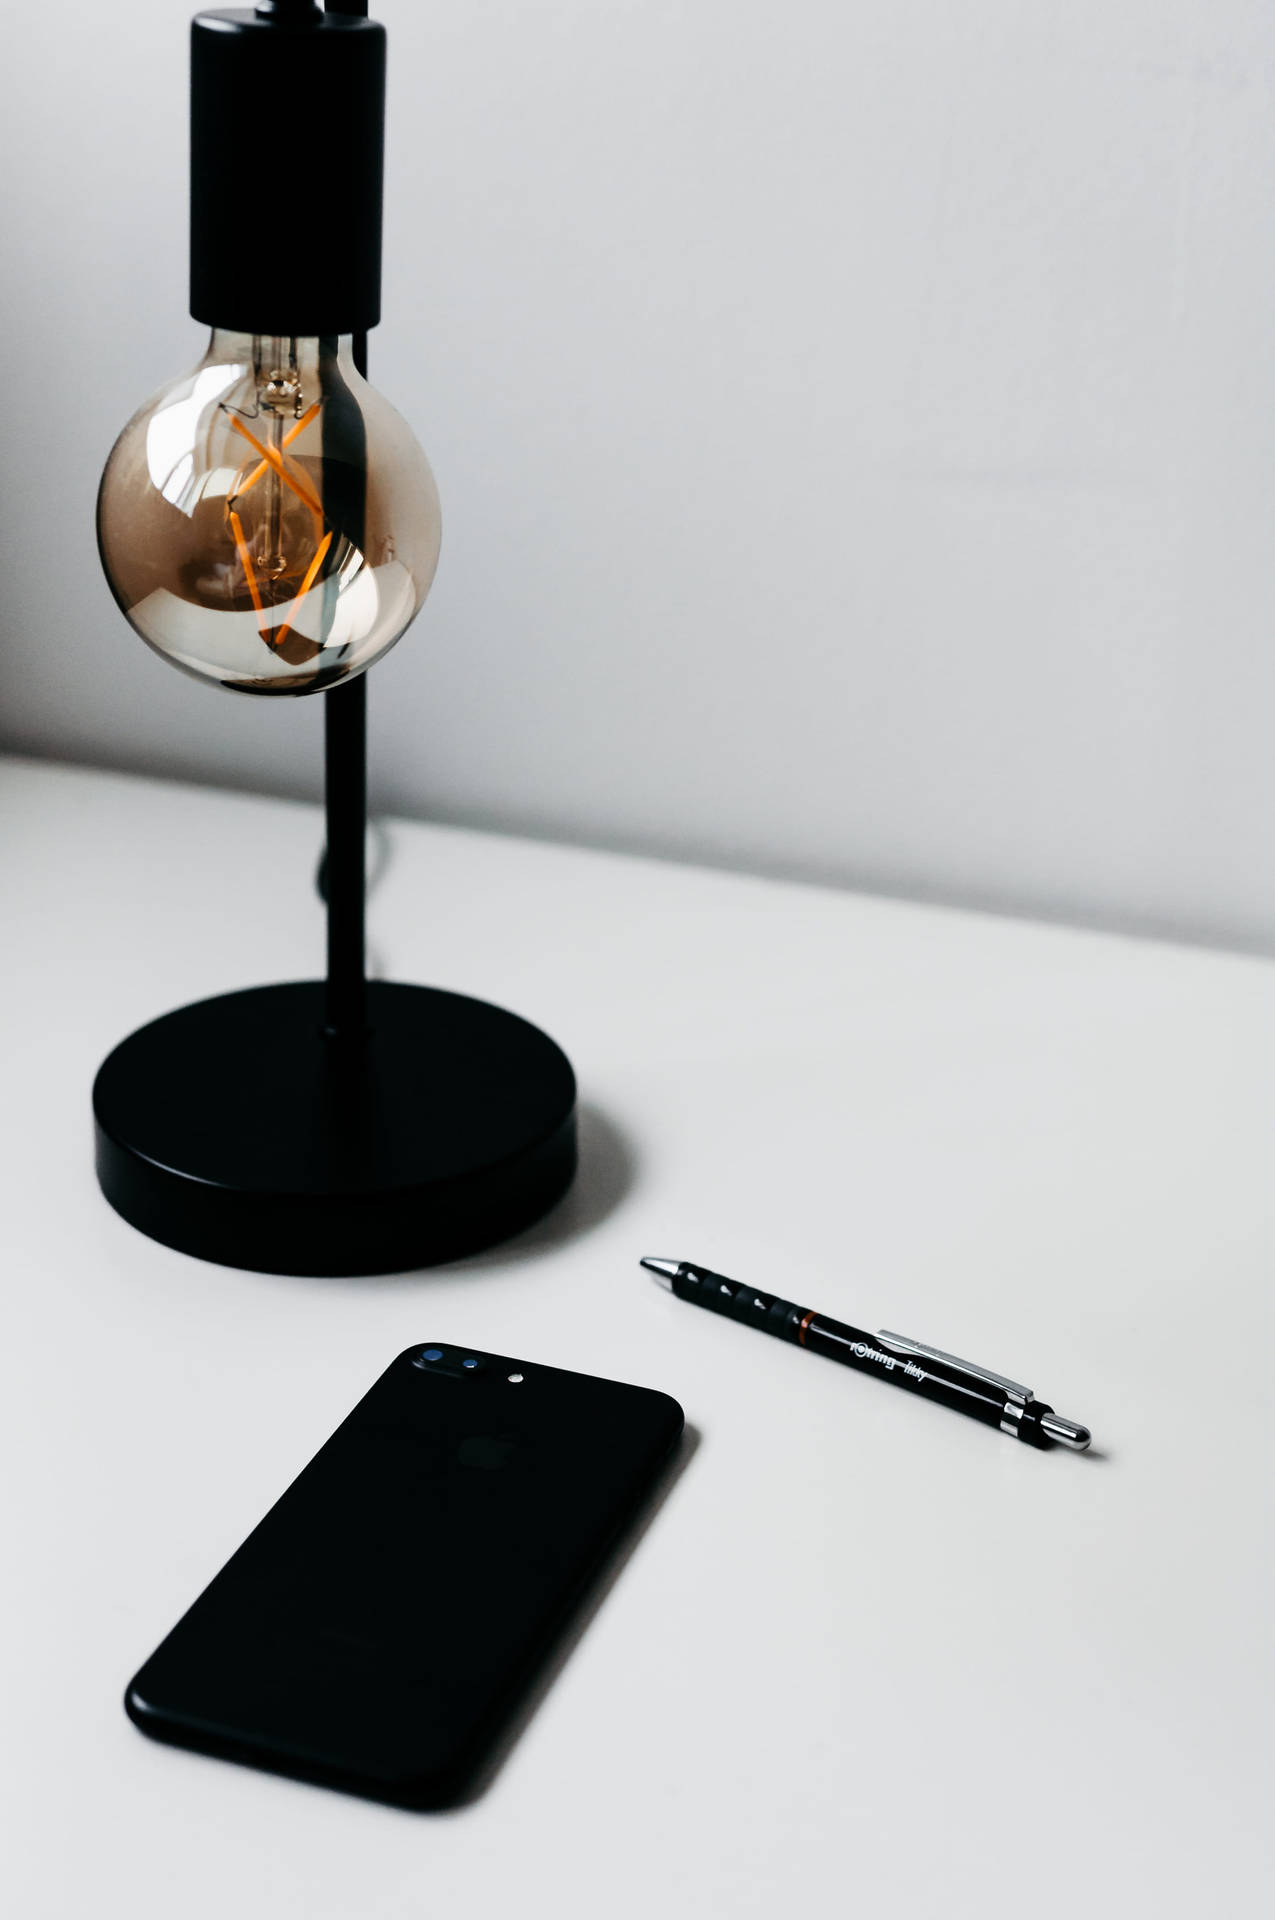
377, 1630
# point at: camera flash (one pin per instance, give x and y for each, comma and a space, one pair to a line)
515, 1378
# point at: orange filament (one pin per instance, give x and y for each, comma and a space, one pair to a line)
280, 635
276, 636
272, 459
246, 561
288, 438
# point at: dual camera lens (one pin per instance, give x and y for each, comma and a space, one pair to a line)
447, 1360
455, 1361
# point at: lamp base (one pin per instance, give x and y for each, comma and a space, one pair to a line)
239, 1131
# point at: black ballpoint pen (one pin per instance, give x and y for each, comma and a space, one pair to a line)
954, 1383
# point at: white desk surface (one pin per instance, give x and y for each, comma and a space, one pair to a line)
868, 1657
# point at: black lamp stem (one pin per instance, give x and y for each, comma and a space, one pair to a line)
345, 799
345, 792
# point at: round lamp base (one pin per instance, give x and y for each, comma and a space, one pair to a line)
239, 1131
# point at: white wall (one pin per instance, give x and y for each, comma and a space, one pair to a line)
855, 421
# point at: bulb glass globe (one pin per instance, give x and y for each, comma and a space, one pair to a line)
268, 522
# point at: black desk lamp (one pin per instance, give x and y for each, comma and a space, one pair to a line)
269, 523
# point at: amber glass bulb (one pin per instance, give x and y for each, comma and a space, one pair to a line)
268, 522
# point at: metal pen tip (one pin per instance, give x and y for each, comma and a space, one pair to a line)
665, 1271
1065, 1433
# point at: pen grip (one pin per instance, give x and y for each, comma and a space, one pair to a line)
737, 1302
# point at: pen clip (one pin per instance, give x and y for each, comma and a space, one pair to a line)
899, 1343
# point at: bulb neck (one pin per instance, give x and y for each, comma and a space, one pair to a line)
233, 343
287, 370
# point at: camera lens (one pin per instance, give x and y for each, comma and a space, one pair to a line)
470, 1363
432, 1353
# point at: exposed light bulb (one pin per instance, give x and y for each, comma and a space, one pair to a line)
268, 522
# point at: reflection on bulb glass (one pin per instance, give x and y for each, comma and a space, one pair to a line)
268, 522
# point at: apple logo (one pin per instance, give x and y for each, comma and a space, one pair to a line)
486, 1451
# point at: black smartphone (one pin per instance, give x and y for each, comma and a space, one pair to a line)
377, 1630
